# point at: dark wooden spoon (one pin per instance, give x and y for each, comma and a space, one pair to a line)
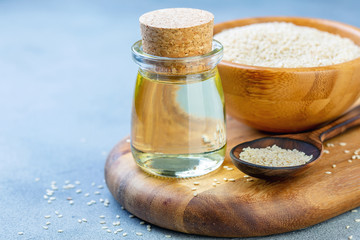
311, 143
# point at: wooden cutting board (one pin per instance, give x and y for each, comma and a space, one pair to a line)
245, 207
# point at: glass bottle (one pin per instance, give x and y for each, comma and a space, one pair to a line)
178, 117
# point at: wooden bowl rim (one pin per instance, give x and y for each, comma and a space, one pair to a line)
252, 20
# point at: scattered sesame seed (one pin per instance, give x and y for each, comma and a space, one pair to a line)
334, 165
57, 212
225, 179
342, 144
101, 200
36, 180
218, 182
60, 231
48, 223
93, 184
69, 198
52, 198
46, 197
45, 227
225, 167
78, 191
102, 222
49, 201
326, 151
100, 187
54, 188
215, 180
87, 194
246, 176
350, 237
346, 151
101, 216
142, 223
109, 231
347, 227
77, 182
232, 180
214, 184
168, 236
79, 221
119, 230
249, 180
193, 189
196, 183
97, 193
84, 220
116, 223
357, 220
47, 216
117, 216
60, 216
20, 233
354, 210
125, 234
195, 194
71, 202
353, 157
131, 216
67, 181
139, 234
330, 145
328, 172
229, 168
350, 161
104, 227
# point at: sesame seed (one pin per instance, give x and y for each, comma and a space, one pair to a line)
214, 184
79, 221
334, 165
46, 197
196, 183
347, 227
45, 227
93, 184
330, 145
131, 216
193, 189
350, 237
105, 227
119, 230
350, 161
109, 231
128, 140
48, 223
60, 216
249, 180
52, 198
77, 182
354, 210
102, 222
49, 201
20, 233
101, 216
97, 193
346, 151
231, 180
47, 216
142, 223
125, 234
87, 194
116, 223
246, 176
78, 191
139, 234
54, 188
215, 180
71, 202
67, 181
101, 200
168, 236
225, 179
328, 172
229, 168
342, 144
117, 216
60, 231
195, 194
353, 157
357, 220
84, 220
326, 151
122, 208
218, 182
100, 187
225, 167
57, 212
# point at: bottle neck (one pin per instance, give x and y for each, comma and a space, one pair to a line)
164, 66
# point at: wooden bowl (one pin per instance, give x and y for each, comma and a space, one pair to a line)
290, 99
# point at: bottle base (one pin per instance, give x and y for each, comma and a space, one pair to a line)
179, 165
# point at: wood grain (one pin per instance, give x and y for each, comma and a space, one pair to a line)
241, 208
290, 99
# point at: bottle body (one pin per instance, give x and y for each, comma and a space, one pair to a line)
178, 123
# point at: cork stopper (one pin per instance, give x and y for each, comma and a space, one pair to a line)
177, 32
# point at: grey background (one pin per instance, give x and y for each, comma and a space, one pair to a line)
66, 83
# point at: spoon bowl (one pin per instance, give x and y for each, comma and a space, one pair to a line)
311, 143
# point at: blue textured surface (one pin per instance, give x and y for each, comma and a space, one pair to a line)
66, 82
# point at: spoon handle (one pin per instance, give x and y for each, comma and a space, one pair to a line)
340, 125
